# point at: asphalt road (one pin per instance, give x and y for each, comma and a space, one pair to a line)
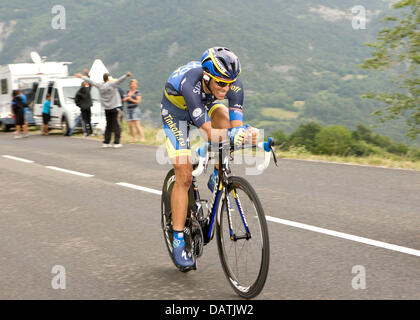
107, 237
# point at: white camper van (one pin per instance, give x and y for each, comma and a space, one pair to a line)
24, 76
64, 112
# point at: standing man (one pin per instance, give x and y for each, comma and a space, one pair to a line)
110, 101
84, 101
25, 110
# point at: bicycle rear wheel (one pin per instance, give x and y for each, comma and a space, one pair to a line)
166, 214
242, 238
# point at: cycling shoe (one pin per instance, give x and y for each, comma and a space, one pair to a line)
182, 259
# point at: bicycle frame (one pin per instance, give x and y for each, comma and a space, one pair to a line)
220, 194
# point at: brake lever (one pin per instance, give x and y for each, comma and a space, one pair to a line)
273, 151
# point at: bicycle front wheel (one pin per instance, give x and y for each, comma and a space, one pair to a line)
242, 238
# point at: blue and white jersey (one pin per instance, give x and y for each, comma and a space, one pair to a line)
184, 90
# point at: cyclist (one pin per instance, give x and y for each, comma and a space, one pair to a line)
189, 97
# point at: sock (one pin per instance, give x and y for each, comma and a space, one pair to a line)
178, 239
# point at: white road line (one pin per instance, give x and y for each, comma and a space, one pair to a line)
346, 236
352, 164
133, 186
71, 172
18, 159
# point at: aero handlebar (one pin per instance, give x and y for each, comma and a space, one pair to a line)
268, 147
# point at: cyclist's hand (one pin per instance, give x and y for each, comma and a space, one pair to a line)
251, 134
237, 135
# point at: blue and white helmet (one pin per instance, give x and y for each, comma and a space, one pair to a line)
221, 63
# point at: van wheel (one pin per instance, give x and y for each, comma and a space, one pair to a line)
5, 127
65, 127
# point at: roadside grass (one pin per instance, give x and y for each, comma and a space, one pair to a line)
387, 161
152, 135
155, 137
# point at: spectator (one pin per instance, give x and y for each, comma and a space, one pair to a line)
17, 109
46, 114
133, 99
25, 110
84, 101
110, 101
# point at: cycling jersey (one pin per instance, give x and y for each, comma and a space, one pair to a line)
184, 102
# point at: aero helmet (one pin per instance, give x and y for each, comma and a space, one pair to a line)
221, 63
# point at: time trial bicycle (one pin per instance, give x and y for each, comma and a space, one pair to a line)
237, 214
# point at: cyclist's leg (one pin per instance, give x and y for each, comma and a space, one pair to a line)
219, 116
178, 148
179, 197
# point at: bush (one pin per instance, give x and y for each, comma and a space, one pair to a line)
334, 140
305, 136
398, 148
362, 149
281, 140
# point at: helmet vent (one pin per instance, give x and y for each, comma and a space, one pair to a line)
224, 64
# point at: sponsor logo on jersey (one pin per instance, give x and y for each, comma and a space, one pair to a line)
177, 133
197, 112
235, 89
197, 88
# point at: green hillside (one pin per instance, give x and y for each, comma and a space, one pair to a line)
300, 57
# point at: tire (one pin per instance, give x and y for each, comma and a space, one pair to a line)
166, 214
65, 127
246, 285
5, 127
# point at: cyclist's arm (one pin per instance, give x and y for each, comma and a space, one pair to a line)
236, 116
198, 113
236, 99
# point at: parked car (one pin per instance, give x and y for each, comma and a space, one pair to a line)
63, 108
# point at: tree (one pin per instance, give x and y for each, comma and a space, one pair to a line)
398, 48
281, 140
334, 140
305, 135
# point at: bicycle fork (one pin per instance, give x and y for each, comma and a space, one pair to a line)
230, 210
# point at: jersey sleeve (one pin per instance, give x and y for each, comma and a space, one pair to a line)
190, 88
236, 99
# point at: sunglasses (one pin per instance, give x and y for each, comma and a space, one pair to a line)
222, 84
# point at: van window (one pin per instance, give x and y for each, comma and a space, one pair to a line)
56, 99
69, 93
4, 86
40, 96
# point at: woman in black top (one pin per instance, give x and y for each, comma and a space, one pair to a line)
84, 102
17, 108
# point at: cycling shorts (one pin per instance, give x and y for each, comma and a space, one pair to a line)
176, 124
